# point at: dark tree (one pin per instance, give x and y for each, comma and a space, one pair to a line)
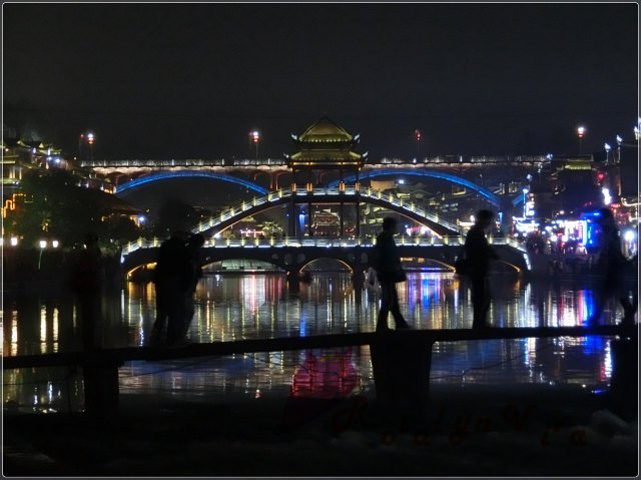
175, 215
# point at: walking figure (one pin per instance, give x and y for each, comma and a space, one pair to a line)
611, 265
389, 272
478, 254
87, 282
194, 244
173, 279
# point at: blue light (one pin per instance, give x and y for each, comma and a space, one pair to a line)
189, 174
418, 173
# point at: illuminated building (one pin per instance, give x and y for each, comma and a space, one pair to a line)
322, 148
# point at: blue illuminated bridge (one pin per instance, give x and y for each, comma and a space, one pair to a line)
130, 175
293, 254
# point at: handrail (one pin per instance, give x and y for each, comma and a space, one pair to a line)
368, 192
119, 355
324, 242
317, 192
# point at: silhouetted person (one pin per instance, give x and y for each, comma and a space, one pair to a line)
87, 282
389, 271
478, 254
611, 264
194, 244
173, 279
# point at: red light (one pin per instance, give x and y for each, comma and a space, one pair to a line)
600, 176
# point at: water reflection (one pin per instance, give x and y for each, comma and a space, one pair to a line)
244, 306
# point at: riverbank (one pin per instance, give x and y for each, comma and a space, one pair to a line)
517, 430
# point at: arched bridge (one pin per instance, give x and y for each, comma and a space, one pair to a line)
160, 176
154, 177
292, 255
484, 192
328, 195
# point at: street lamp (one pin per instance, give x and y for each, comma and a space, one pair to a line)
254, 136
417, 136
607, 152
580, 132
90, 139
43, 245
619, 142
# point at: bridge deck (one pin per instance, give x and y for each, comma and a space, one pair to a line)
121, 355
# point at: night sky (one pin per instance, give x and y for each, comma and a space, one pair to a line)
185, 81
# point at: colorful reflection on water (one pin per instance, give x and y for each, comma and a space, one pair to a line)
245, 306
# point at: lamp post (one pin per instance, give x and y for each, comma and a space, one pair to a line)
525, 192
580, 132
619, 142
80, 139
417, 136
43, 245
607, 152
254, 136
90, 139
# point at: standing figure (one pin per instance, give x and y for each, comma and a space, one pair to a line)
478, 254
172, 277
194, 244
389, 271
87, 282
610, 264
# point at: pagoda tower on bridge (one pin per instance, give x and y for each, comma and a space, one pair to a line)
324, 146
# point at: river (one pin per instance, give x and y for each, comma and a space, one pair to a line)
259, 305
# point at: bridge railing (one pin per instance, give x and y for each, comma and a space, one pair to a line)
409, 206
324, 242
368, 192
321, 192
381, 163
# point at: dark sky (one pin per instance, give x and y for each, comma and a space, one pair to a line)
176, 80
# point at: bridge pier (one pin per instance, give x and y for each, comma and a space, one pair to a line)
293, 281
101, 387
401, 364
625, 374
357, 279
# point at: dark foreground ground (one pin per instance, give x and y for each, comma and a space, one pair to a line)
525, 430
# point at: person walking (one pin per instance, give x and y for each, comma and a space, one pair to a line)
478, 254
389, 272
172, 278
194, 244
87, 279
610, 265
